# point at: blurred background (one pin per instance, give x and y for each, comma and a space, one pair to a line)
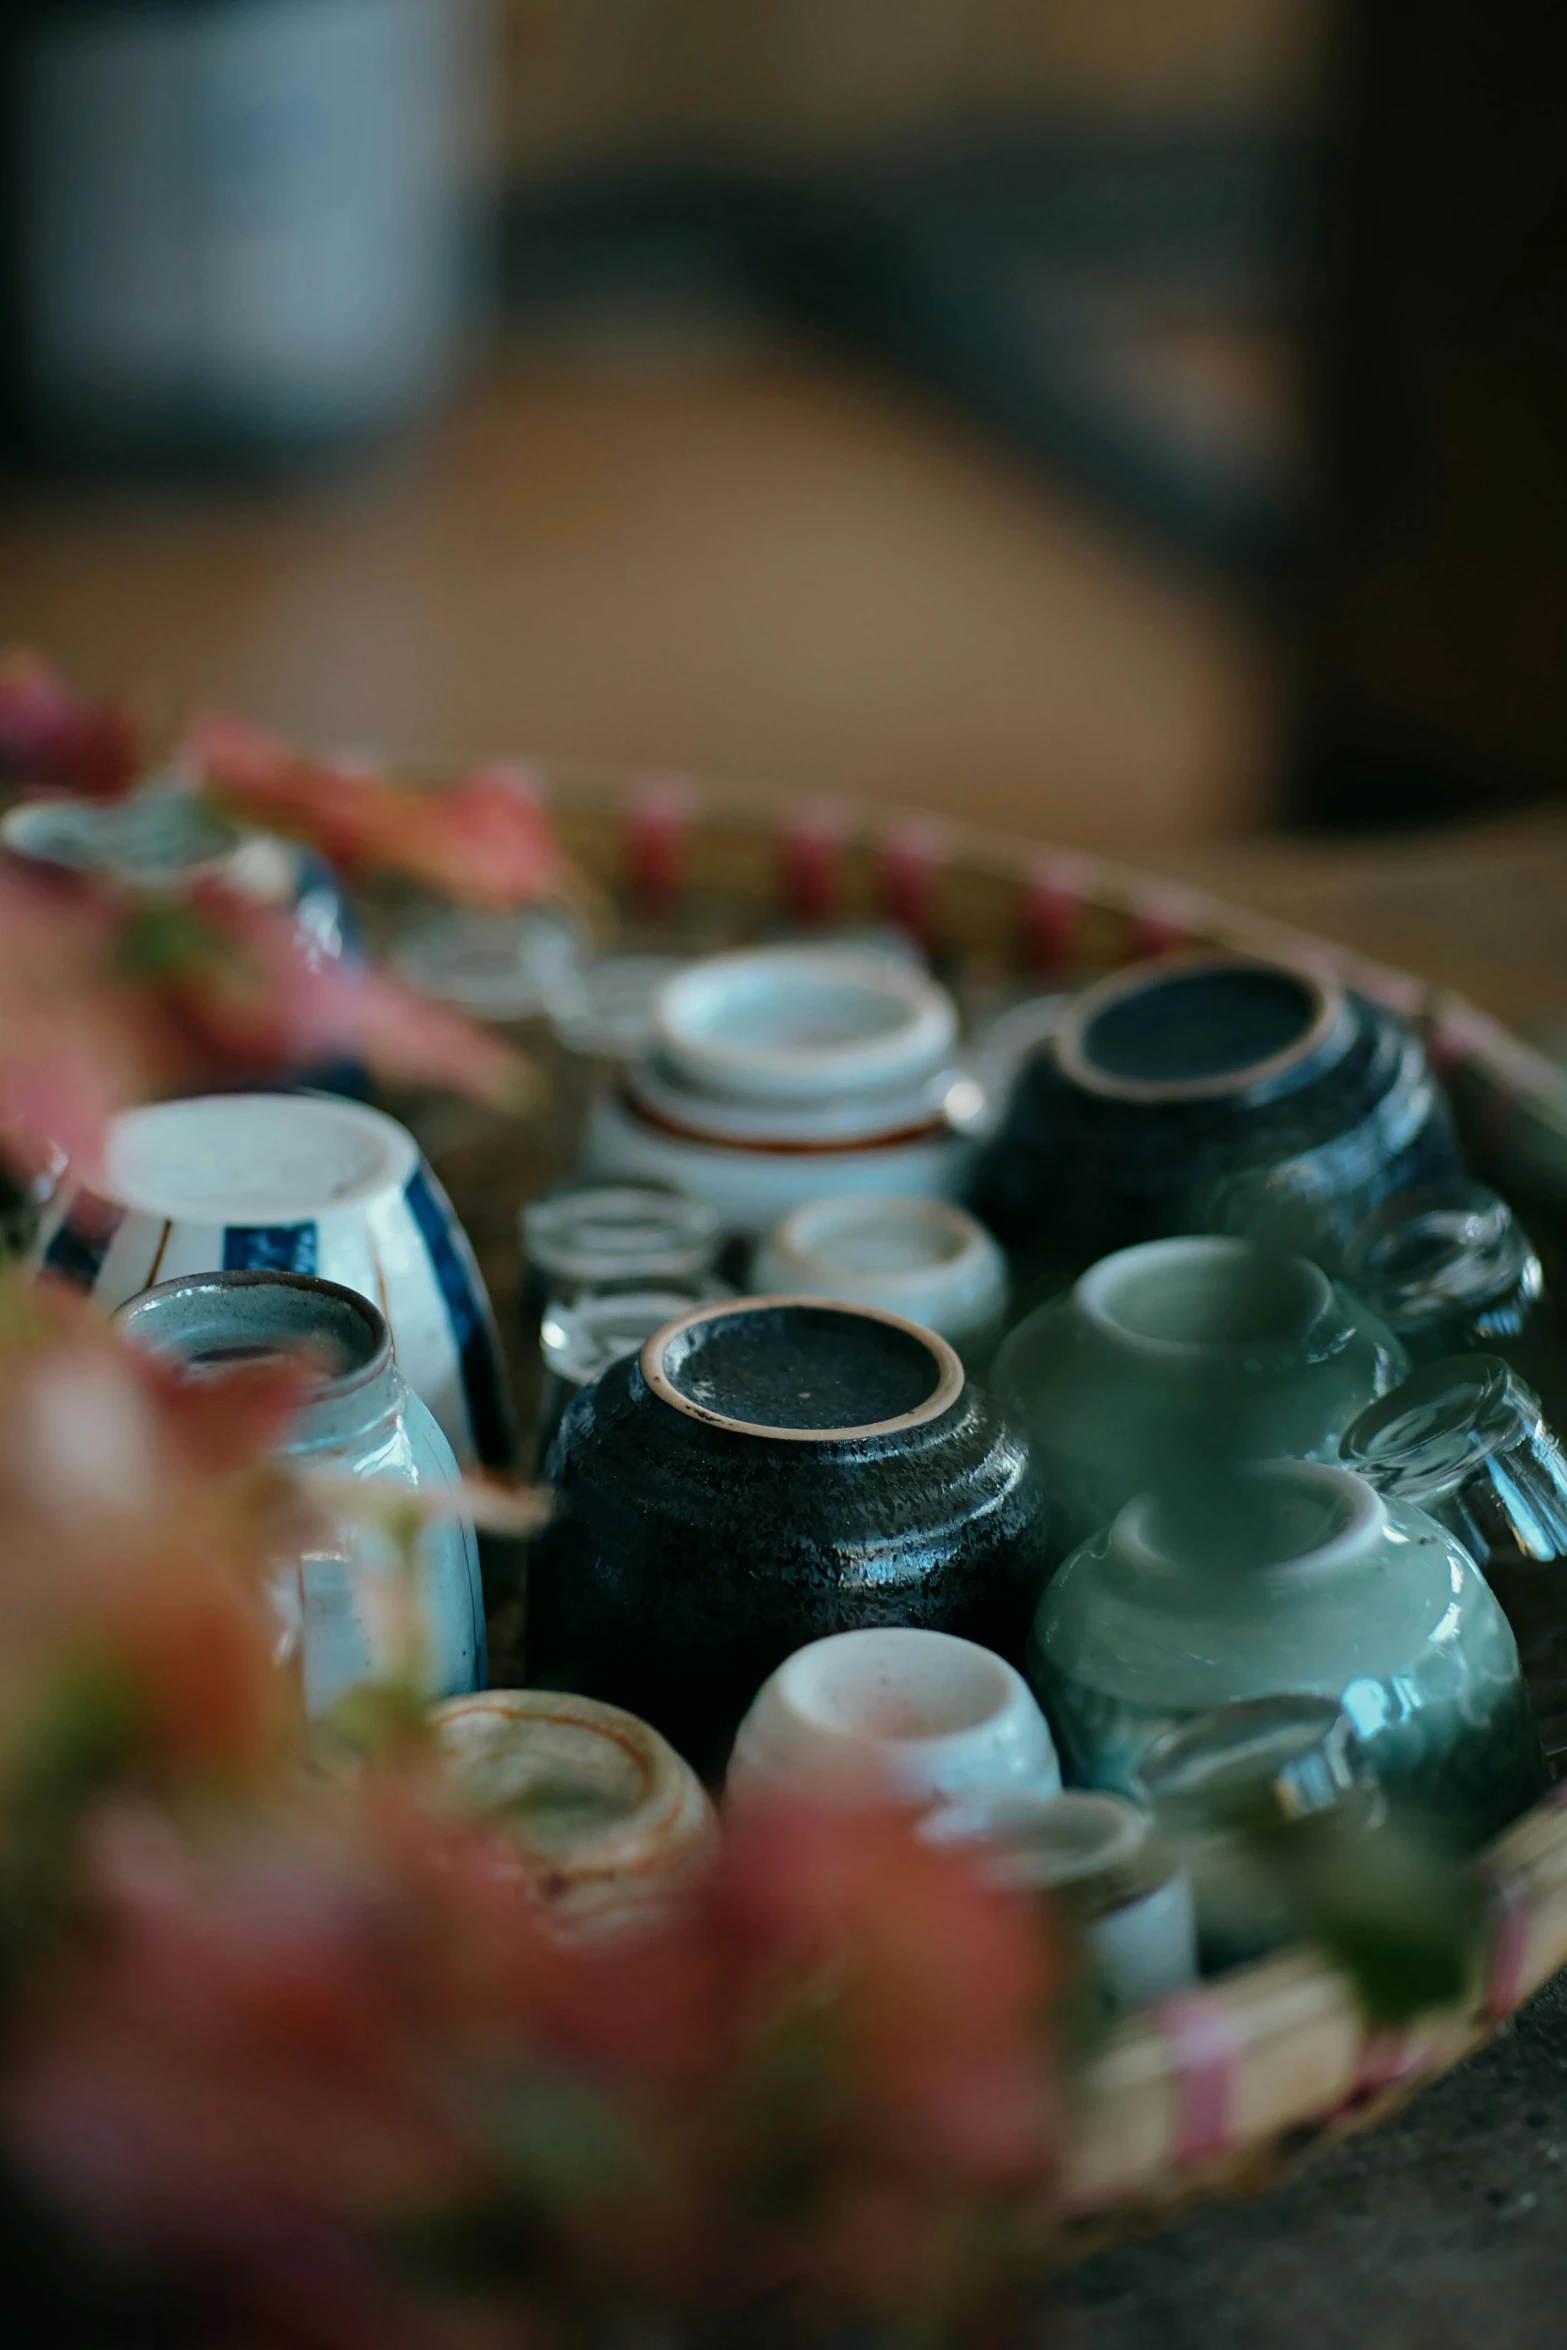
1135, 423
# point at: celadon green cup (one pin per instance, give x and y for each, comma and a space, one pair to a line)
1293, 1578
1169, 1360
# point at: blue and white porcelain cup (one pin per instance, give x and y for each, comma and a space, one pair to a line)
351, 1609
294, 1183
164, 837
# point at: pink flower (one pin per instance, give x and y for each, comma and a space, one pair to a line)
107, 999
484, 838
50, 734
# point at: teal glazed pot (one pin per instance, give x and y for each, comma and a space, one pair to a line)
335, 1611
1296, 1579
1212, 1093
769, 1471
1164, 1362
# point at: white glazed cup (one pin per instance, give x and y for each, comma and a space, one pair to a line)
293, 1183
609, 1822
928, 1260
896, 1713
1094, 1847
789, 1023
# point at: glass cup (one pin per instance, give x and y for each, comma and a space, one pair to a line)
581, 1339
1224, 1779
1448, 1267
1101, 1863
1466, 1441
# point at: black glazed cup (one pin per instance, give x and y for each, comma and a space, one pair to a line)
768, 1471
1212, 1093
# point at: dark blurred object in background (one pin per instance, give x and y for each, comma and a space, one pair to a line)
237, 230
1439, 576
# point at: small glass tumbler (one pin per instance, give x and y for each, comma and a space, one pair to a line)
590, 1237
1099, 1859
1449, 1268
1223, 1780
1465, 1440
580, 1340
593, 1236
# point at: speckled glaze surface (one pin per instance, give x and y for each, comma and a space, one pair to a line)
340, 1608
765, 1473
1209, 1093
1305, 1582
1165, 1360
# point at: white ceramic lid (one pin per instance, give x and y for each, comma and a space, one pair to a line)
791, 1022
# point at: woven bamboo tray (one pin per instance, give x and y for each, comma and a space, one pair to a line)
1222, 2086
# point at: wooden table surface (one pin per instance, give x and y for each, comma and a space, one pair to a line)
740, 561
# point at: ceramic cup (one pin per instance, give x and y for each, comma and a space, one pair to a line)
161, 834
764, 1473
340, 1606
1213, 1093
782, 1074
1164, 1360
1292, 1579
300, 1183
1098, 1859
919, 1716
607, 1821
925, 1259
164, 835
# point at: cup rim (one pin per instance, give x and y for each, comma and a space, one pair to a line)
1364, 1518
1088, 1292
912, 1048
698, 1122
978, 1252
1069, 1041
792, 1684
27, 816
331, 1387
666, 1782
138, 1188
950, 1383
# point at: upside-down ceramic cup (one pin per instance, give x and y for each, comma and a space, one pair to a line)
926, 1259
1291, 1579
1164, 1361
164, 837
918, 1716
607, 1822
1213, 1093
161, 835
341, 1605
765, 1472
782, 1074
298, 1183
